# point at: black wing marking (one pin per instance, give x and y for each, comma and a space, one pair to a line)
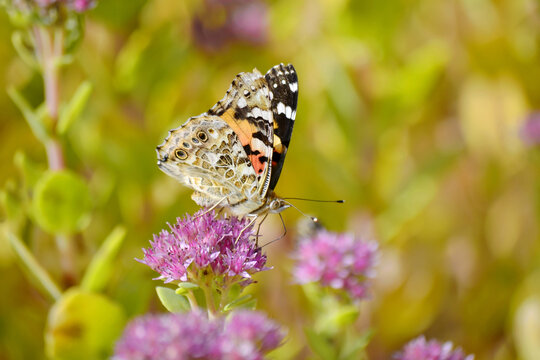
283, 85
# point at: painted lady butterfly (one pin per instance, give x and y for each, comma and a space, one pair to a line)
233, 154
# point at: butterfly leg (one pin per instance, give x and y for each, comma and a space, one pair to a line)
245, 228
211, 208
282, 235
259, 228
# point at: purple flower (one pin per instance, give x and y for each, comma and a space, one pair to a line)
81, 5
420, 349
76, 5
530, 131
248, 335
227, 21
244, 335
339, 261
204, 247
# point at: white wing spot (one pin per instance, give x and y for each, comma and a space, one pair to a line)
281, 108
280, 73
246, 92
242, 102
258, 112
271, 95
288, 112
294, 87
275, 85
283, 82
293, 115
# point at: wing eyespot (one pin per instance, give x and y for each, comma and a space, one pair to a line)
194, 140
211, 131
186, 145
202, 136
181, 154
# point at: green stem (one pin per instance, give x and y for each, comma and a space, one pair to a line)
49, 43
192, 300
35, 269
210, 303
224, 297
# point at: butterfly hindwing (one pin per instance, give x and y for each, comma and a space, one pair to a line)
283, 84
206, 155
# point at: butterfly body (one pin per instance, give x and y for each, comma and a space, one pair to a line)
232, 155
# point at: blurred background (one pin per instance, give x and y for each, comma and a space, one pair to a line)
410, 110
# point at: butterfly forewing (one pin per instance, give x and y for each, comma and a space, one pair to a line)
246, 108
283, 83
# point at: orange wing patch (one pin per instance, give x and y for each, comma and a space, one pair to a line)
245, 130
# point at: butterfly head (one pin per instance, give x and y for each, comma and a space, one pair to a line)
275, 204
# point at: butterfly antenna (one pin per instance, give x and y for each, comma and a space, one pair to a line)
313, 218
316, 200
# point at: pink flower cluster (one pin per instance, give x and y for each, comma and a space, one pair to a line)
420, 349
530, 131
76, 5
243, 335
204, 245
222, 22
339, 261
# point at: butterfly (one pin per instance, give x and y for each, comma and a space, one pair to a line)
232, 155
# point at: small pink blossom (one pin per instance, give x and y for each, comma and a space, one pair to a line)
530, 131
339, 261
221, 249
420, 349
244, 335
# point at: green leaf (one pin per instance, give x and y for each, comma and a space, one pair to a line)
172, 301
355, 344
61, 202
102, 265
73, 110
238, 302
17, 39
28, 113
184, 287
30, 170
40, 276
320, 345
83, 326
344, 316
336, 317
11, 202
18, 18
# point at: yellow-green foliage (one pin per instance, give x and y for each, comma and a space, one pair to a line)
408, 110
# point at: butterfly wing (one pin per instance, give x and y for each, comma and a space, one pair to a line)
229, 152
283, 84
206, 155
246, 109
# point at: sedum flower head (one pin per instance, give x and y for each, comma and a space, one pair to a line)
243, 335
338, 261
76, 5
248, 335
530, 131
420, 349
204, 247
223, 22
